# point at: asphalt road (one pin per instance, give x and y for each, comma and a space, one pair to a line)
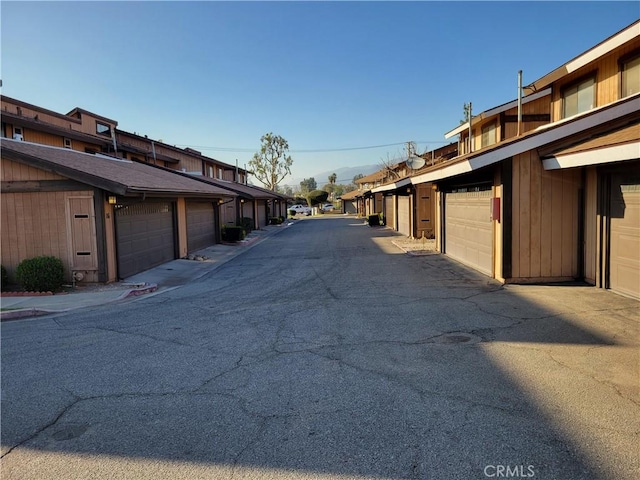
326, 353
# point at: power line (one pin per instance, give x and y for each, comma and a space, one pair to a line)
317, 150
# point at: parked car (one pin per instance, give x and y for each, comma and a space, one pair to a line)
300, 209
328, 207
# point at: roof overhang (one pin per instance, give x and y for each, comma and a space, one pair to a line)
392, 186
609, 154
536, 138
604, 47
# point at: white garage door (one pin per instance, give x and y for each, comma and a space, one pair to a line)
469, 230
390, 212
404, 215
624, 270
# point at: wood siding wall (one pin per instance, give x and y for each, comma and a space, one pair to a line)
14, 171
509, 129
591, 221
34, 136
541, 106
608, 80
85, 124
545, 210
426, 211
32, 226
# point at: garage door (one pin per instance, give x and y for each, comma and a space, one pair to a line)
469, 230
624, 269
201, 225
390, 212
262, 213
145, 236
404, 215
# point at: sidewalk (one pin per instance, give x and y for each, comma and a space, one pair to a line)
163, 277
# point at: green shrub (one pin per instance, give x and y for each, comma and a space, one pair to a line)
275, 220
292, 213
233, 234
41, 274
4, 281
374, 220
246, 223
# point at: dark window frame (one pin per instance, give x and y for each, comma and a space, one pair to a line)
622, 62
574, 84
106, 130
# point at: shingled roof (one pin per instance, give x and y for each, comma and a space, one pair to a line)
122, 177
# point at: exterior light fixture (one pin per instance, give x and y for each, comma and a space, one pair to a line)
112, 200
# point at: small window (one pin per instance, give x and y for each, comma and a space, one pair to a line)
103, 129
488, 134
67, 143
631, 77
579, 98
17, 133
210, 171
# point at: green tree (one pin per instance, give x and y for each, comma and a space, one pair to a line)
333, 178
271, 164
357, 177
466, 110
316, 197
307, 185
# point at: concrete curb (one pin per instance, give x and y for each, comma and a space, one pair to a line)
35, 311
415, 253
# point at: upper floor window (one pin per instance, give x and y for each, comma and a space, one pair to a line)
103, 129
631, 77
579, 97
67, 143
489, 134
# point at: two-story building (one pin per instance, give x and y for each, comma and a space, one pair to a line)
64, 193
537, 200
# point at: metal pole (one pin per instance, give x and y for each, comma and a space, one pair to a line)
470, 130
519, 100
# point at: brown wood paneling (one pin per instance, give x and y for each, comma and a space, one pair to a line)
14, 171
82, 231
567, 216
535, 216
425, 211
590, 222
546, 224
31, 226
515, 224
525, 215
555, 185
545, 220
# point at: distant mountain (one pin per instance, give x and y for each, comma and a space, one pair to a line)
345, 175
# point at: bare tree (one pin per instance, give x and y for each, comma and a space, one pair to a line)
388, 167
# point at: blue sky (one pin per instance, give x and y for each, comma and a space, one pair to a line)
332, 76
